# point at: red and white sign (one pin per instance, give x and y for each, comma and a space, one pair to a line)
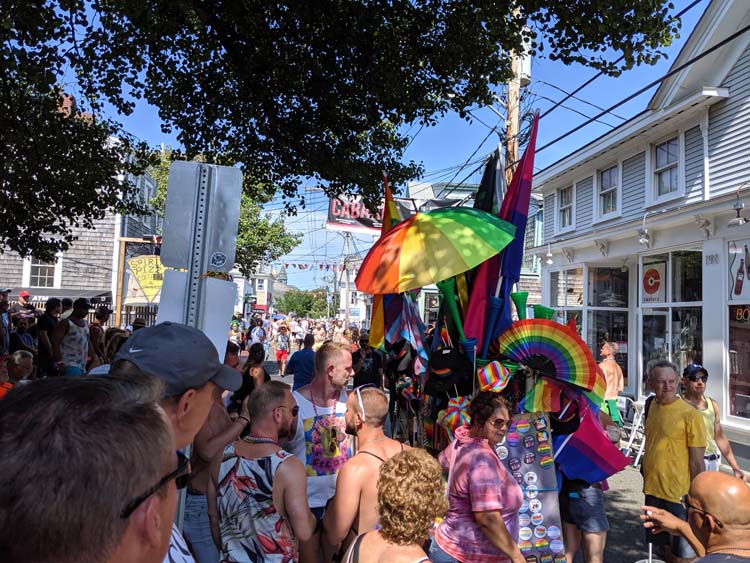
653, 283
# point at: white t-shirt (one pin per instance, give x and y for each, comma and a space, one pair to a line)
322, 445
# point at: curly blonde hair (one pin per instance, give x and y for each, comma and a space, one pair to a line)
411, 495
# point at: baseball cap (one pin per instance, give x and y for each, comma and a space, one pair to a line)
692, 369
6, 290
80, 303
23, 294
181, 356
102, 310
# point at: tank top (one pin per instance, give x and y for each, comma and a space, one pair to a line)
709, 417
74, 347
251, 527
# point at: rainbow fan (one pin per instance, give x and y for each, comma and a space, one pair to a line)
550, 349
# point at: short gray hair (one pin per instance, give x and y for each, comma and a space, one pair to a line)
661, 364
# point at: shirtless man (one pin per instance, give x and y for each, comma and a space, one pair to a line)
718, 523
353, 509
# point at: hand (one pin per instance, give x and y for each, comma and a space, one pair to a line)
658, 520
740, 474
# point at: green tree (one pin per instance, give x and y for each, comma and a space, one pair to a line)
305, 303
286, 90
260, 237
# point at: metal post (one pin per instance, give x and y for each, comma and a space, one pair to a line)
120, 283
346, 273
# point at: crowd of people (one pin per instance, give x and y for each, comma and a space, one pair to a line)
305, 472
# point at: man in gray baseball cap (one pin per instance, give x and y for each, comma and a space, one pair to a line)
187, 363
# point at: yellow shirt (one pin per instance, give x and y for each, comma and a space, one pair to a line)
709, 418
670, 431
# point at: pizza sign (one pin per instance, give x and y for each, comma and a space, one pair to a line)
653, 283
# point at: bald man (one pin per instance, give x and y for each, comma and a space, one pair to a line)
718, 524
353, 509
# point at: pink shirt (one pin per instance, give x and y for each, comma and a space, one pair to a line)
478, 482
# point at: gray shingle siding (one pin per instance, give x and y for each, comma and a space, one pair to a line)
584, 204
633, 187
693, 165
87, 265
11, 269
549, 217
729, 132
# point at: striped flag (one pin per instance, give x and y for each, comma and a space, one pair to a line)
380, 319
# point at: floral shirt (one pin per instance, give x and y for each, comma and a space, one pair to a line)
252, 530
322, 445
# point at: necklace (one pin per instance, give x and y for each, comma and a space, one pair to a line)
260, 440
334, 432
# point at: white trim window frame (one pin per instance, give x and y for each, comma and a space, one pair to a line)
565, 204
608, 192
660, 163
26, 274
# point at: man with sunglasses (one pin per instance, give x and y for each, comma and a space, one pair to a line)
188, 365
353, 509
675, 442
368, 365
718, 518
259, 493
88, 471
694, 378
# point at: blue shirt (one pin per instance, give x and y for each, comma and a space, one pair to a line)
302, 365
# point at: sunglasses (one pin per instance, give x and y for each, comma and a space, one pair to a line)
686, 505
357, 390
181, 476
696, 377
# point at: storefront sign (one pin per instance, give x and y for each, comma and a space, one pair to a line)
739, 269
654, 282
149, 273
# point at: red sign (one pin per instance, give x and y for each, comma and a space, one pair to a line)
651, 281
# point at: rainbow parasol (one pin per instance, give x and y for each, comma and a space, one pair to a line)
430, 247
550, 349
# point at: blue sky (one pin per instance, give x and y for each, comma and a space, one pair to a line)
453, 140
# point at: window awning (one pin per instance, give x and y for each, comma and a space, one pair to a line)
41, 294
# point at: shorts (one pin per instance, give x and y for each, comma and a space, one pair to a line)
73, 370
610, 407
680, 546
584, 507
282, 355
712, 462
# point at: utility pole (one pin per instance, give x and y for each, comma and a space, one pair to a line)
512, 125
346, 273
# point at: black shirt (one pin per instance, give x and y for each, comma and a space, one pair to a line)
47, 324
369, 371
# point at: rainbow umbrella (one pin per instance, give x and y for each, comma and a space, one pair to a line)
430, 247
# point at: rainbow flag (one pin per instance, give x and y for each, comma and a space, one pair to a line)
545, 396
380, 318
588, 453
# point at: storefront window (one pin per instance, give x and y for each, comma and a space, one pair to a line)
669, 332
687, 279
609, 326
608, 287
739, 360
567, 288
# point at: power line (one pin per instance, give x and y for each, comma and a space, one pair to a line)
571, 96
600, 73
648, 86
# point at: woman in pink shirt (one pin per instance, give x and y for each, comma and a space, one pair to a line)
483, 497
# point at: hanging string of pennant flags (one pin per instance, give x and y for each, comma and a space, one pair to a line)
335, 267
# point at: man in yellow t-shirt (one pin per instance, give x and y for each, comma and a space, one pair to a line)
675, 442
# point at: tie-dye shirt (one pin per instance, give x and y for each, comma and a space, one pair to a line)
321, 443
478, 482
